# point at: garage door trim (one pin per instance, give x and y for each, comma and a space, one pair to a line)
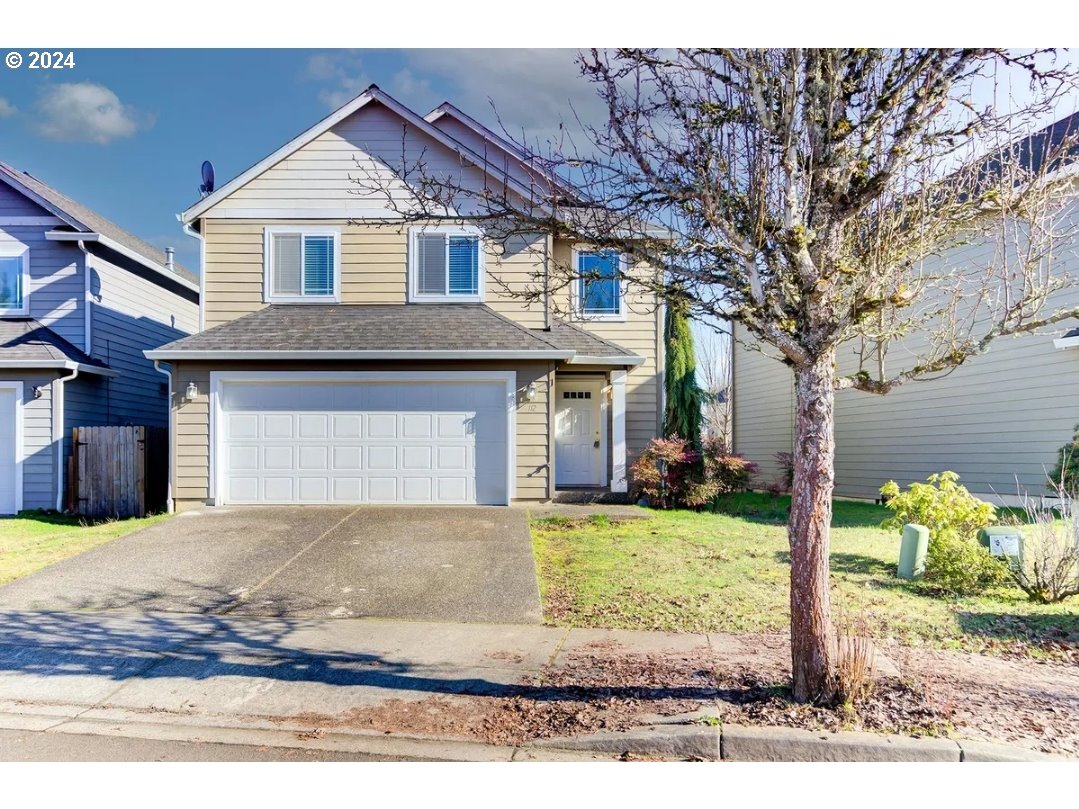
219, 378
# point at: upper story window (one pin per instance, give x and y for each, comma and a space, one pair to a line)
14, 279
303, 265
599, 289
445, 264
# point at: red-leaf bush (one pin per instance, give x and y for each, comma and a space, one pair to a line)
670, 473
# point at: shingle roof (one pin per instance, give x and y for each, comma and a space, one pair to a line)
28, 340
566, 335
369, 327
94, 222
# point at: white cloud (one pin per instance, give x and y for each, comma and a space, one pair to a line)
7, 109
87, 112
343, 72
532, 91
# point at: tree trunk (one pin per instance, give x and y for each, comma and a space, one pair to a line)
813, 647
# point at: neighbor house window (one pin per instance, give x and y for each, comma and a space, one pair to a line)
446, 264
302, 266
599, 284
14, 279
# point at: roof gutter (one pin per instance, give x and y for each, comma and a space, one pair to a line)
1067, 342
74, 236
196, 354
631, 360
62, 365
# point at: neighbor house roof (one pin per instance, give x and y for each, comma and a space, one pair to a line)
82, 219
371, 94
371, 331
26, 343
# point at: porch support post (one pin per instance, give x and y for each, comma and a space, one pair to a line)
618, 432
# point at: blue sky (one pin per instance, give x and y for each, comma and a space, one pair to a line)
125, 131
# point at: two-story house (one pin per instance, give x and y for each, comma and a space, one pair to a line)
81, 299
349, 355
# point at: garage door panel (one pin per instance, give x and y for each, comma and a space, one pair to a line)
355, 442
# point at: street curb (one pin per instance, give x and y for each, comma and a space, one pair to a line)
764, 743
671, 741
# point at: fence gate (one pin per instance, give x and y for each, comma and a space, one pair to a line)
118, 471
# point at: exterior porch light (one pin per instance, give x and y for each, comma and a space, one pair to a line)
530, 391
192, 392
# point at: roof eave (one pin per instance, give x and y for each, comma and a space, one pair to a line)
61, 365
1067, 342
300, 354
79, 236
586, 359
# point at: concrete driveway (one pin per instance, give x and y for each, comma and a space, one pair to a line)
430, 563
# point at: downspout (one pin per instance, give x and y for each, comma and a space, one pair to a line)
58, 433
87, 323
169, 507
546, 284
190, 231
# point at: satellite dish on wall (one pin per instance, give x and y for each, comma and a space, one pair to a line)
207, 186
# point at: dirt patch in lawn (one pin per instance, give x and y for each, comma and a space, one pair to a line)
602, 687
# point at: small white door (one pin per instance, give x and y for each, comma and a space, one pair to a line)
578, 437
9, 488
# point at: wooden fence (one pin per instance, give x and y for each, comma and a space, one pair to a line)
118, 471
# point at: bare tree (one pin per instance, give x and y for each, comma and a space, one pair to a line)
714, 369
803, 194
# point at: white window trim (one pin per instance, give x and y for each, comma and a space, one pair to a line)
18, 250
267, 263
217, 414
578, 311
413, 253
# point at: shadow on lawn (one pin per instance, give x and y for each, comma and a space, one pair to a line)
854, 563
1035, 629
63, 520
763, 508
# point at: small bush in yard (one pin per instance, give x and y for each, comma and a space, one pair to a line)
1065, 475
670, 473
955, 561
1048, 570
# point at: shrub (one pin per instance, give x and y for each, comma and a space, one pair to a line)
955, 561
786, 465
671, 473
1065, 475
729, 472
665, 471
1048, 570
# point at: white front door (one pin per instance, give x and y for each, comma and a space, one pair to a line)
10, 486
579, 433
297, 440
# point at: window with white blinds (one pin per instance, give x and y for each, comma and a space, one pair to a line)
446, 265
301, 266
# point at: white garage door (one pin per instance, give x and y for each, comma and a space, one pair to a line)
321, 441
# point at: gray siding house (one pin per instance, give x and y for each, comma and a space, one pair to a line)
80, 300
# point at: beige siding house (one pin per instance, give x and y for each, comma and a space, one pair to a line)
350, 355
998, 420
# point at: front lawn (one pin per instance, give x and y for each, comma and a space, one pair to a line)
684, 571
34, 539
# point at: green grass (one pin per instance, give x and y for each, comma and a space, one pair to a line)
34, 539
685, 571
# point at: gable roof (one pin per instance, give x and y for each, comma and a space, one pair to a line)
83, 219
371, 94
446, 109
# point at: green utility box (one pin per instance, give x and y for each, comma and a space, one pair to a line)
912, 551
1003, 540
